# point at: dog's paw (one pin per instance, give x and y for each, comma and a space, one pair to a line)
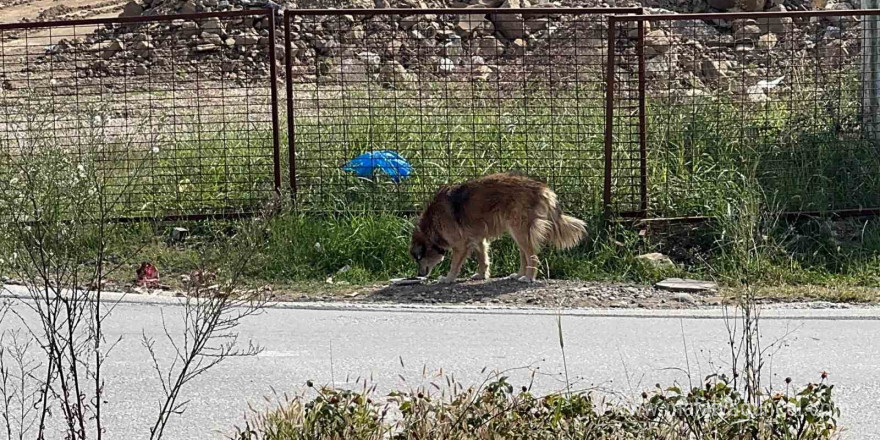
514, 276
446, 280
479, 277
525, 279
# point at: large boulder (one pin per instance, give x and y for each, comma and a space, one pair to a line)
722, 5
751, 5
657, 42
133, 9
511, 26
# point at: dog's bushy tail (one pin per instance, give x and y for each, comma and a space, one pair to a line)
565, 230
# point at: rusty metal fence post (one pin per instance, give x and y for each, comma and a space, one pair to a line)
643, 122
288, 85
625, 184
871, 70
276, 127
609, 117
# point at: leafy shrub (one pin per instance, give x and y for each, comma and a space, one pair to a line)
497, 411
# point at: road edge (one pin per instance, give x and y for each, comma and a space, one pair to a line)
799, 311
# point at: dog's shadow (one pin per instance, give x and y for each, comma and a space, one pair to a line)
461, 291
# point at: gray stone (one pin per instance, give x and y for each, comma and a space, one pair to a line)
356, 33
749, 32
188, 29
751, 5
684, 298
110, 48
657, 260
394, 72
486, 3
657, 43
370, 59
132, 9
686, 285
351, 69
518, 47
714, 69
722, 5
247, 40
143, 49
767, 41
469, 23
489, 47
326, 47
407, 22
776, 25
509, 25
205, 47
187, 8
482, 72
179, 234
212, 26
212, 39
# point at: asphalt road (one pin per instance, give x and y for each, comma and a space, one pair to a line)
623, 354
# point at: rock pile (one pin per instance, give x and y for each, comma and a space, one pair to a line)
713, 55
393, 49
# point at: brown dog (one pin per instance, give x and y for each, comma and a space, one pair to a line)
465, 217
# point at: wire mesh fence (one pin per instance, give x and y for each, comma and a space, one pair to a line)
738, 103
661, 115
176, 113
455, 93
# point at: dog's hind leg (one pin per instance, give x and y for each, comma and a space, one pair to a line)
482, 250
522, 265
528, 259
459, 255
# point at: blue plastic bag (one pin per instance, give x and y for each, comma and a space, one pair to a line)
390, 162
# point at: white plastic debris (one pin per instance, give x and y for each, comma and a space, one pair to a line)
758, 92
407, 281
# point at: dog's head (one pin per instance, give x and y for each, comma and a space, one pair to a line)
425, 252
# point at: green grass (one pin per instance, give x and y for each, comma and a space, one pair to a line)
557, 138
375, 247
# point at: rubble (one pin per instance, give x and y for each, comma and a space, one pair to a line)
391, 49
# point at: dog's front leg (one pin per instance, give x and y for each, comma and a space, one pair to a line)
459, 255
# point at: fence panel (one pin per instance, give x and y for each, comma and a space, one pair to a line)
625, 150
753, 102
456, 93
177, 111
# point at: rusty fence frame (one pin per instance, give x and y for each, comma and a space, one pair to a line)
608, 13
644, 213
269, 14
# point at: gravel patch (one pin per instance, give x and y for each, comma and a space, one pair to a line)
501, 291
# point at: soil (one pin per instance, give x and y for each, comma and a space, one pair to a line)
43, 10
